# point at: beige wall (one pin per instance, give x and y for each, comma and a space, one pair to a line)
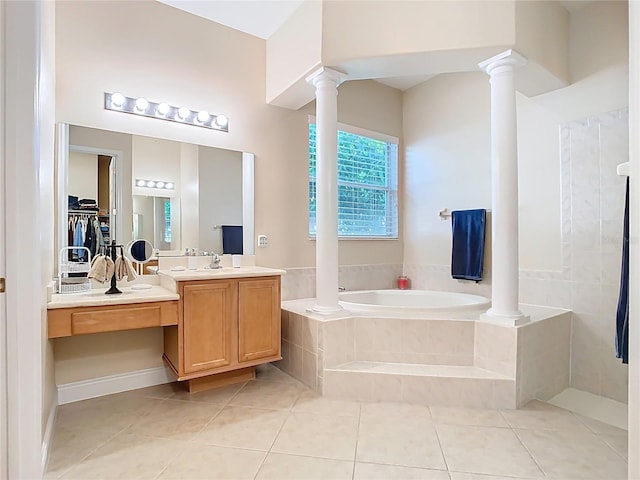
542, 35
447, 140
90, 356
192, 69
155, 159
361, 29
595, 49
83, 175
294, 50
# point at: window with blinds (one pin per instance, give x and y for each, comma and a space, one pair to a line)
166, 234
367, 184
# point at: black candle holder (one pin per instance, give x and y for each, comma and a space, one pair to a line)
111, 251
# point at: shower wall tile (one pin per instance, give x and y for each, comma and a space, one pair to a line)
585, 236
611, 240
611, 265
585, 297
609, 303
612, 203
585, 156
586, 266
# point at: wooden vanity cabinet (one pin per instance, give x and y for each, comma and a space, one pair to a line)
209, 312
258, 319
224, 325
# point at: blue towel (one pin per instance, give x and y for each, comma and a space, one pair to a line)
467, 254
232, 239
78, 241
622, 315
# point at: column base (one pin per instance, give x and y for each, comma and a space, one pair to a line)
512, 319
325, 310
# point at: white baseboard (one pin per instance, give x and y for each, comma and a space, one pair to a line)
97, 387
47, 438
593, 406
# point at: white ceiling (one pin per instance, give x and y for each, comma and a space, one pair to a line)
256, 17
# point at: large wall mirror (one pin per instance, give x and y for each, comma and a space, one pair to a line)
175, 195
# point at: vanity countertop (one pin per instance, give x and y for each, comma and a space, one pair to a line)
225, 272
97, 297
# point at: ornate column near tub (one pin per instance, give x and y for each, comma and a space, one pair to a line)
326, 82
504, 189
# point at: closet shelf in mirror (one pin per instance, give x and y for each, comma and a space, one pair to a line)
83, 211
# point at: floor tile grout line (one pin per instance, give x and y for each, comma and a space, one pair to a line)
225, 405
355, 452
264, 457
602, 440
82, 459
275, 438
444, 457
529, 452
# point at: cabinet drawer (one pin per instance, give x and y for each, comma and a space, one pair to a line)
87, 320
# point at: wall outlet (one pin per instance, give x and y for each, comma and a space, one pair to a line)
262, 240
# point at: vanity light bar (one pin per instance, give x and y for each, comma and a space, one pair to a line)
154, 184
141, 106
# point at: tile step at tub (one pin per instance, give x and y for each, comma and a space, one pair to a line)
418, 369
461, 386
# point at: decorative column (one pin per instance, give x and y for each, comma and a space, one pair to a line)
326, 82
504, 189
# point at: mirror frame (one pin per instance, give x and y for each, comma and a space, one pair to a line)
61, 190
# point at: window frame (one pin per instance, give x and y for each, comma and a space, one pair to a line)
394, 188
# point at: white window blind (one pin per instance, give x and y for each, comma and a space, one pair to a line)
167, 221
367, 184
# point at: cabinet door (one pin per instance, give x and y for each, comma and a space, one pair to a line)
258, 319
209, 315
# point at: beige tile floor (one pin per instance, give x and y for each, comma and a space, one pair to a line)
276, 428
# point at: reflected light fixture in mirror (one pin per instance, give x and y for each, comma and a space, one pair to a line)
155, 184
118, 102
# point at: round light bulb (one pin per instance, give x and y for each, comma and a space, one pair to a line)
159, 184
221, 121
203, 116
117, 100
163, 109
141, 183
183, 112
151, 184
141, 104
168, 185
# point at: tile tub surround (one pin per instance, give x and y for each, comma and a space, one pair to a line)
301, 282
454, 361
